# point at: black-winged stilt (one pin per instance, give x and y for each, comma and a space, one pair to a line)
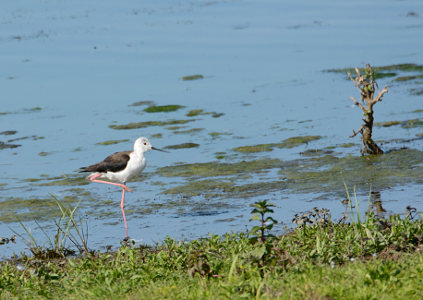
121, 167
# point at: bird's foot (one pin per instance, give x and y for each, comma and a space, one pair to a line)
128, 241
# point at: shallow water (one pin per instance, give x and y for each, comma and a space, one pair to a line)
72, 69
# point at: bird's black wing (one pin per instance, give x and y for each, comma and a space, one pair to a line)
113, 163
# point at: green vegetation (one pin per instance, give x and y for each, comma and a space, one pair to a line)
197, 112
112, 142
162, 108
183, 146
322, 173
413, 123
287, 143
396, 72
140, 103
192, 77
319, 259
137, 125
189, 131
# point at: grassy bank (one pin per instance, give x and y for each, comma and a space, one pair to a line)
375, 258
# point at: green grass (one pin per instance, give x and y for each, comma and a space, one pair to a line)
370, 258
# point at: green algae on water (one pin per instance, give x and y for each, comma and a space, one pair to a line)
287, 143
137, 125
197, 112
211, 169
183, 146
162, 108
192, 77
112, 142
413, 123
8, 132
189, 131
323, 174
140, 103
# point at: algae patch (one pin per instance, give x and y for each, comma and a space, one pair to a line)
162, 108
3, 145
13, 209
192, 77
287, 143
112, 142
137, 125
189, 131
395, 72
413, 123
212, 169
316, 175
197, 112
183, 146
141, 103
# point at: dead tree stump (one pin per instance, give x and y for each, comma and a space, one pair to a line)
366, 84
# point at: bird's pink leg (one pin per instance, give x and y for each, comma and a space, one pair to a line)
93, 179
123, 214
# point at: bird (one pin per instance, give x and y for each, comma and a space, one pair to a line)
121, 167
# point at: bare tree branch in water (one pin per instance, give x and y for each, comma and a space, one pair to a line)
367, 86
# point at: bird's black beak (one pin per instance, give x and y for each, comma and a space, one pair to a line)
154, 148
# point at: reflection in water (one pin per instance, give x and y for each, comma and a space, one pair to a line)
376, 203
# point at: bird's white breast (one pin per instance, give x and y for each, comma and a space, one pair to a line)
134, 167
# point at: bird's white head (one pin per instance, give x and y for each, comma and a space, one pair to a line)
142, 144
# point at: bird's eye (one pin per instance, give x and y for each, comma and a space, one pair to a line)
145, 144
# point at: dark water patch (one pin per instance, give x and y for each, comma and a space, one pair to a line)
348, 145
112, 142
163, 108
32, 137
197, 112
316, 152
408, 78
220, 155
387, 123
36, 35
215, 135
43, 153
324, 174
208, 188
416, 91
255, 148
3, 145
175, 127
137, 125
383, 71
157, 135
8, 132
13, 209
66, 180
202, 213
183, 146
413, 123
393, 71
192, 77
213, 169
189, 131
141, 103
287, 143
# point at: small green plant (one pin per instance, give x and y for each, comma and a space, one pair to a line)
262, 232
